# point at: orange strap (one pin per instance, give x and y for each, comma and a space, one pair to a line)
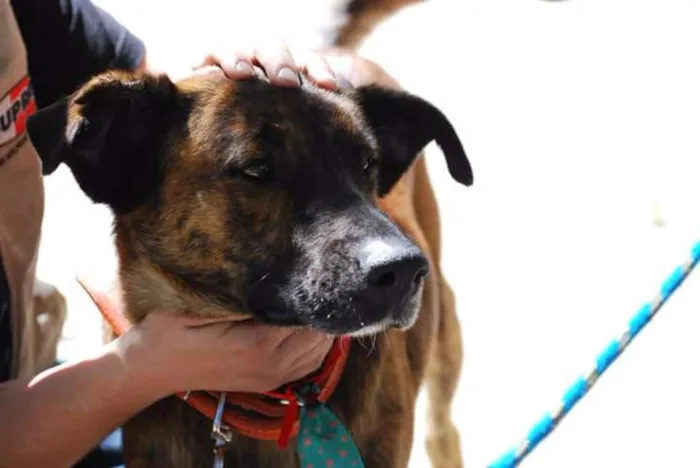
263, 416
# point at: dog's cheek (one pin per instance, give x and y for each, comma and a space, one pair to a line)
260, 233
322, 280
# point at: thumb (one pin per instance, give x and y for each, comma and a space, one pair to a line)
234, 317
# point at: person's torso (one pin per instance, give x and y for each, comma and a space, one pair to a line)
21, 195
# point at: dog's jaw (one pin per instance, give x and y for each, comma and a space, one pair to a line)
147, 288
402, 317
370, 330
404, 323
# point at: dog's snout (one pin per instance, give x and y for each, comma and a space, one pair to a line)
359, 273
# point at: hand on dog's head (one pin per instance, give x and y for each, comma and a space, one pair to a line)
253, 197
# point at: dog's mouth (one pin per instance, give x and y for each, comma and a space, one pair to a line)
276, 316
343, 316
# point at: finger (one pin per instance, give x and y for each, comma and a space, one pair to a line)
306, 348
260, 339
203, 321
277, 62
301, 341
238, 67
342, 68
350, 70
306, 364
319, 71
206, 70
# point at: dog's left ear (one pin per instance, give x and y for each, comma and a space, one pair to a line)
111, 134
404, 124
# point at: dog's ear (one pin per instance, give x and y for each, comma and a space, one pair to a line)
110, 133
404, 124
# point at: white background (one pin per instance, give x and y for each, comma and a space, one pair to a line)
581, 120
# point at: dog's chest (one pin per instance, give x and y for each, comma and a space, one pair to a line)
170, 434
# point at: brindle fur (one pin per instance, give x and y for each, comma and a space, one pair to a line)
179, 232
377, 394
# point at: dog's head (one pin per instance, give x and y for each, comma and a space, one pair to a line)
255, 199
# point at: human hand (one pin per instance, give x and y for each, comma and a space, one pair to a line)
172, 353
356, 70
273, 61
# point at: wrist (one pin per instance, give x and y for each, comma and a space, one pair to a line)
138, 366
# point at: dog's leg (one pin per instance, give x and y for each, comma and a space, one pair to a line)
446, 353
443, 376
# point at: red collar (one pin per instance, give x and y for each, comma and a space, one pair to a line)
263, 416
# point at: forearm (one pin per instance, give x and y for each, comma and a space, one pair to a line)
60, 415
68, 42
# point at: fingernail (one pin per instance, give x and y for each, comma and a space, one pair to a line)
244, 68
206, 69
287, 74
343, 83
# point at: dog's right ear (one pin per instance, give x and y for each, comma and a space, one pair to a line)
404, 124
110, 133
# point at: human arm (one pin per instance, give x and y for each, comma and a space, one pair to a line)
62, 413
69, 41
59, 416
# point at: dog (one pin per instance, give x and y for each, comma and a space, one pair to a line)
300, 207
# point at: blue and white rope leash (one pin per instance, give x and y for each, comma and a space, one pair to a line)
583, 385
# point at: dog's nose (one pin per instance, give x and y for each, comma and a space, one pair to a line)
397, 274
393, 273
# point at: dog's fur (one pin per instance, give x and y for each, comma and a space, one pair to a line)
202, 227
362, 17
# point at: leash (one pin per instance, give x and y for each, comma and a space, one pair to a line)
297, 409
582, 386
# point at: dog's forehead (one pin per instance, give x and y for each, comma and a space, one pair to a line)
240, 110
298, 110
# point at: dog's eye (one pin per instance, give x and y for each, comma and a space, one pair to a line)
369, 164
258, 172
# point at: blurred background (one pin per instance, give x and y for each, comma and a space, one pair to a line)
581, 120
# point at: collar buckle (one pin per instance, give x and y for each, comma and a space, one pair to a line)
220, 432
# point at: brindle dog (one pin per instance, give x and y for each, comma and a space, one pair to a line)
297, 206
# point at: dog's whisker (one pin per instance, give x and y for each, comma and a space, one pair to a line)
373, 341
262, 278
361, 342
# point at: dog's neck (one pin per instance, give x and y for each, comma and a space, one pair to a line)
145, 288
